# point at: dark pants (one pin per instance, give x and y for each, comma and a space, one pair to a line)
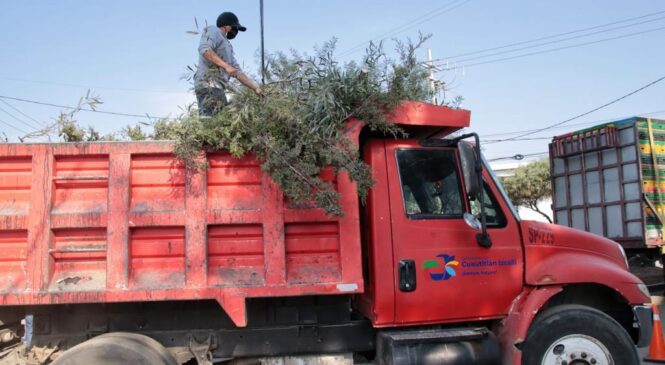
211, 101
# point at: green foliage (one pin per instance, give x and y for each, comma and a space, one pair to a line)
168, 129
68, 128
530, 184
134, 133
298, 128
71, 132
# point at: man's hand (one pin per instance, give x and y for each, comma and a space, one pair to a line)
259, 92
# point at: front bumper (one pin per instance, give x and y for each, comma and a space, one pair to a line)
644, 317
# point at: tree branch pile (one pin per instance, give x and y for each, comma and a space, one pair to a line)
296, 130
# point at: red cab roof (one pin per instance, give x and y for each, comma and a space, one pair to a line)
428, 118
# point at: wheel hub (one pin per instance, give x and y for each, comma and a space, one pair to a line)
577, 350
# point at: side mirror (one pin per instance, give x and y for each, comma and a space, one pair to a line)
473, 222
469, 162
472, 168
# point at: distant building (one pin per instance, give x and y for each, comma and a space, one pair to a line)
504, 169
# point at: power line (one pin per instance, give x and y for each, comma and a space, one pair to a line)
13, 126
516, 139
559, 40
82, 109
518, 156
576, 124
20, 112
16, 118
91, 87
553, 49
419, 20
550, 36
585, 113
382, 35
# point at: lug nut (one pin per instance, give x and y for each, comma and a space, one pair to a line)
584, 355
564, 362
572, 356
593, 361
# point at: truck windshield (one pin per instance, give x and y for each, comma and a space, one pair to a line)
496, 181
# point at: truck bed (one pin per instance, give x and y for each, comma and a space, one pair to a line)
128, 222
109, 222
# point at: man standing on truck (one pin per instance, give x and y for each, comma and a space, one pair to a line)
217, 64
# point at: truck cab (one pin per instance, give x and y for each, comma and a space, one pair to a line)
442, 272
435, 267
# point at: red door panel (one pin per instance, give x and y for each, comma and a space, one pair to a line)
456, 279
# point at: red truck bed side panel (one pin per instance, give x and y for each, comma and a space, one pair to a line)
108, 222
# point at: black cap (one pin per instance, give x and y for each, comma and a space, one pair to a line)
228, 18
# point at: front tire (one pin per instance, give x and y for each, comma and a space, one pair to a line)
578, 335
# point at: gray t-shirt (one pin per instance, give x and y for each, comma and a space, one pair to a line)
209, 75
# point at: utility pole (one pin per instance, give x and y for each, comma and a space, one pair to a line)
263, 50
433, 82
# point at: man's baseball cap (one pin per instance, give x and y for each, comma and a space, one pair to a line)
228, 18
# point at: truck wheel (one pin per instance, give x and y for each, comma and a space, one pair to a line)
578, 335
117, 349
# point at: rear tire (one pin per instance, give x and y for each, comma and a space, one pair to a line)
578, 334
117, 349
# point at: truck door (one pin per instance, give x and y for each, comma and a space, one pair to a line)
441, 273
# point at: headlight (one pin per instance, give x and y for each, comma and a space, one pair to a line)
643, 288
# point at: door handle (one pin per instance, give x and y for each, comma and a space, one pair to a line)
407, 275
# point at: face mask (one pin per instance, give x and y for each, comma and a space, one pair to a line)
232, 33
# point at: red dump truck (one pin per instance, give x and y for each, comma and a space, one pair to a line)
115, 253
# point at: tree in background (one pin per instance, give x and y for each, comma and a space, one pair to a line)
529, 185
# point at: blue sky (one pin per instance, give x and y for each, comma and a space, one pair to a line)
133, 54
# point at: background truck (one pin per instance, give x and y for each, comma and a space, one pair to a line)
610, 180
116, 253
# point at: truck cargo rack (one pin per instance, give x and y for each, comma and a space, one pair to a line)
598, 184
587, 141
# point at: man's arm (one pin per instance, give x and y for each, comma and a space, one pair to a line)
249, 83
211, 56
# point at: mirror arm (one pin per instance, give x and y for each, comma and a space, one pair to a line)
483, 238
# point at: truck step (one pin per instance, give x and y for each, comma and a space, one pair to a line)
435, 335
465, 346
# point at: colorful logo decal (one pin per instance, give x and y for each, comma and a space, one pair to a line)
441, 269
446, 266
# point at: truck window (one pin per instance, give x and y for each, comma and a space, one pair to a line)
430, 183
493, 213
